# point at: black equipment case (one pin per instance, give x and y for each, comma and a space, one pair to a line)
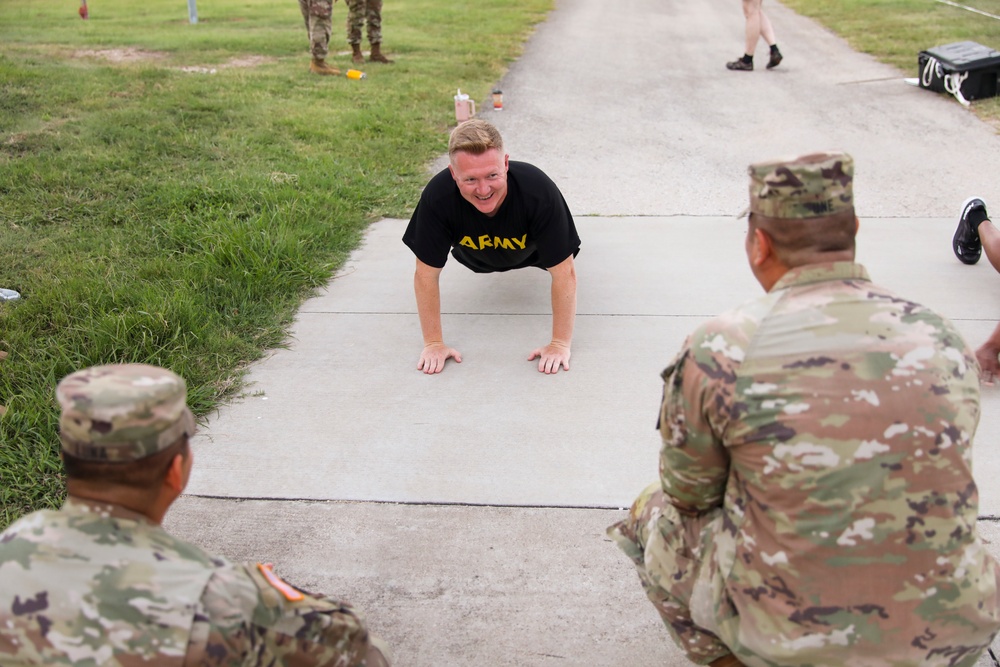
967, 70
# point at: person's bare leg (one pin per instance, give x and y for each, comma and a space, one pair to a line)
766, 31
990, 236
988, 353
751, 10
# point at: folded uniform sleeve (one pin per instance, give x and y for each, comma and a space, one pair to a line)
247, 611
694, 462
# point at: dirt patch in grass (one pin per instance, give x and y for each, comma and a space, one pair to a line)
132, 55
21, 143
232, 63
125, 55
250, 61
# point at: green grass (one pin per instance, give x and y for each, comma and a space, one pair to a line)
179, 218
895, 31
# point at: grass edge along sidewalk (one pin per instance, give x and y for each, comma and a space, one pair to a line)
173, 192
895, 31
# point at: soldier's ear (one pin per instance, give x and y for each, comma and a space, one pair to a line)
176, 477
762, 247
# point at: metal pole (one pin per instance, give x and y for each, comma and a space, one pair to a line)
193, 11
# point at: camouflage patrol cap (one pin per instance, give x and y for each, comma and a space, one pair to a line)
122, 412
808, 186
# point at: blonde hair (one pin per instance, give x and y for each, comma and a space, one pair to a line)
474, 136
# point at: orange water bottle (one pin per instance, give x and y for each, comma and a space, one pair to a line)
356, 74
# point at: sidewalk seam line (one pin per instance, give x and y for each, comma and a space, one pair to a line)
404, 502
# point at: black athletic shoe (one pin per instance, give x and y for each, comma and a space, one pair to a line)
966, 244
740, 65
775, 60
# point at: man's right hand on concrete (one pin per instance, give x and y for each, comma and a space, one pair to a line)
434, 355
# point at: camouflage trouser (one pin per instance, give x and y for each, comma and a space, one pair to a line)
358, 12
319, 23
668, 550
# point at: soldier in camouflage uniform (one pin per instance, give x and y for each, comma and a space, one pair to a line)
816, 504
360, 11
99, 582
318, 15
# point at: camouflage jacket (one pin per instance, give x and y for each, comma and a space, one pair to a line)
832, 421
99, 585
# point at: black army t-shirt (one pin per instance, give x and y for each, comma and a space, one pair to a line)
532, 228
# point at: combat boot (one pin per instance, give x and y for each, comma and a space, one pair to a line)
357, 58
319, 66
376, 55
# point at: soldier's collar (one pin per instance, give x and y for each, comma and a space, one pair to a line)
817, 273
85, 506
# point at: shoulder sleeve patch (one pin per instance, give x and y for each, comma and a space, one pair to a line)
290, 592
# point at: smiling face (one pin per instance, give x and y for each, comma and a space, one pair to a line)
482, 179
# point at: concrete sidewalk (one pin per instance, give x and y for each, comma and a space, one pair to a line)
494, 431
465, 512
